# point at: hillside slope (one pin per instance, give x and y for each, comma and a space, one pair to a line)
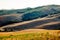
18, 15
9, 19
49, 22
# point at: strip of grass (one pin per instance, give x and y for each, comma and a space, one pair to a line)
32, 36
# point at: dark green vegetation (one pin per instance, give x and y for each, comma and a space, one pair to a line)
50, 9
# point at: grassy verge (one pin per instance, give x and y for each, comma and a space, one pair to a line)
32, 36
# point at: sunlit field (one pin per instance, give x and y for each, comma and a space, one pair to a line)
42, 35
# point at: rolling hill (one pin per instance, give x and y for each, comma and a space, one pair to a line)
44, 17
11, 18
49, 22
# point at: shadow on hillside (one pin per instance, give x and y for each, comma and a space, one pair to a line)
32, 25
52, 27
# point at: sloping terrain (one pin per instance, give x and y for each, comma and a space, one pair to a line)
52, 22
44, 17
18, 15
9, 19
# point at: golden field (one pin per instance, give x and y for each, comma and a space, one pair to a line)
31, 34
